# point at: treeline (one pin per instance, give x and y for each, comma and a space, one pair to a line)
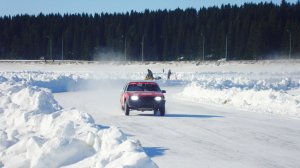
250, 31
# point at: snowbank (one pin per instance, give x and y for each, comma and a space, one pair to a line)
70, 81
36, 132
249, 98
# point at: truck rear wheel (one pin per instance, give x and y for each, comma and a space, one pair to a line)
126, 108
162, 111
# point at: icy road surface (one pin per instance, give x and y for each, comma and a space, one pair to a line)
196, 135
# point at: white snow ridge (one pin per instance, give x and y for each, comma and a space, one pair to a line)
252, 99
36, 132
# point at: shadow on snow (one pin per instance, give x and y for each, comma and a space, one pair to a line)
154, 151
192, 116
184, 116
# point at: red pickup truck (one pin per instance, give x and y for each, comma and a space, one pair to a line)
143, 96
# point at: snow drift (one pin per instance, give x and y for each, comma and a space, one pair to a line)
252, 97
36, 132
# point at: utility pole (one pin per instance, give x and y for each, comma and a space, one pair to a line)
125, 48
142, 43
125, 41
290, 51
62, 48
50, 47
203, 47
290, 41
226, 48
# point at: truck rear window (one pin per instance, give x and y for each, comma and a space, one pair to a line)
143, 87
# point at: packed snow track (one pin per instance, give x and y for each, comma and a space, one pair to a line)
196, 135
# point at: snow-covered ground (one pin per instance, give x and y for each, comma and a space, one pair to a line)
219, 114
36, 132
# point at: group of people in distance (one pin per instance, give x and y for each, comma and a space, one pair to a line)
150, 76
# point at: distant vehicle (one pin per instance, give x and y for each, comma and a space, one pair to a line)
143, 96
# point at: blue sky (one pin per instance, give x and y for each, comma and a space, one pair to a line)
13, 7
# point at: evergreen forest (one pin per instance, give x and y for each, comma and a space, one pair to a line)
247, 32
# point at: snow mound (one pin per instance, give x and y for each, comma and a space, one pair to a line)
257, 81
56, 82
267, 101
36, 132
70, 81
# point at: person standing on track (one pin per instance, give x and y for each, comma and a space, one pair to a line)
169, 73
